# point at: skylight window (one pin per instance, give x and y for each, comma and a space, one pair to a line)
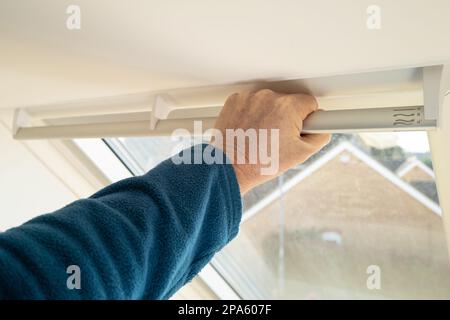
316, 230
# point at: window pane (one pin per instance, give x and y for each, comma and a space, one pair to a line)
366, 203
142, 154
360, 219
195, 290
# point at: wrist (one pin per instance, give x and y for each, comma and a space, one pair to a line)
245, 183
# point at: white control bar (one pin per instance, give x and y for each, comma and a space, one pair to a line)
335, 121
376, 119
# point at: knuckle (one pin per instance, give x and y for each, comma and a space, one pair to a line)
231, 98
302, 101
287, 99
263, 93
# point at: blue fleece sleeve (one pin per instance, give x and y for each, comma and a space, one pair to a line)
140, 238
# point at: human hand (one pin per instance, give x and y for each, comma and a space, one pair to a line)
266, 110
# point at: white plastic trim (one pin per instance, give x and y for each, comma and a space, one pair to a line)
178, 107
432, 91
440, 151
217, 283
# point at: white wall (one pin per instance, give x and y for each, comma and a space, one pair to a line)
27, 187
145, 45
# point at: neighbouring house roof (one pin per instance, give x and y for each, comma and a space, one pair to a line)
414, 163
392, 164
331, 154
420, 176
426, 187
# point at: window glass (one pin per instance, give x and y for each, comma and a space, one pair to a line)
360, 219
143, 154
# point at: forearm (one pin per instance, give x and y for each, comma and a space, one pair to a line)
142, 237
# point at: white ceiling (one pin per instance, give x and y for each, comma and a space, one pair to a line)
139, 45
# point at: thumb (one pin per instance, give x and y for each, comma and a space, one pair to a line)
307, 145
316, 140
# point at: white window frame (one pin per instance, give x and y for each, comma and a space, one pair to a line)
111, 166
356, 102
439, 141
142, 116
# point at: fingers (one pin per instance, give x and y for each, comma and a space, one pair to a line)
231, 100
304, 103
307, 145
317, 140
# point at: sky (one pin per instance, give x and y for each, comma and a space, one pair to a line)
415, 141
410, 141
